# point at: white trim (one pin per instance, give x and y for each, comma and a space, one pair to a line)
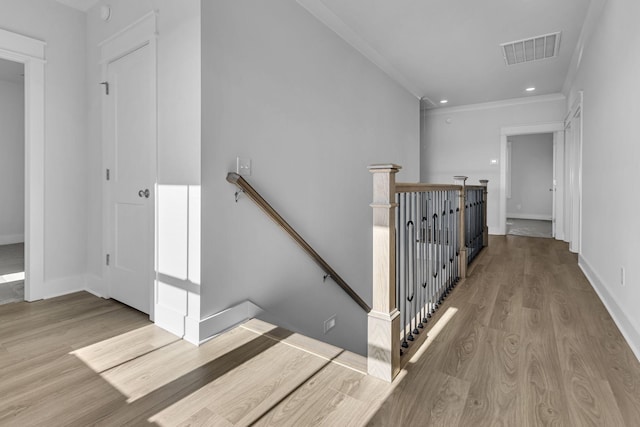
11, 239
505, 132
169, 319
31, 52
538, 217
626, 326
496, 104
96, 286
318, 9
65, 286
223, 321
591, 21
21, 46
141, 33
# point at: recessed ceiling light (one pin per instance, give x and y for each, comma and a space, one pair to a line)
530, 89
444, 101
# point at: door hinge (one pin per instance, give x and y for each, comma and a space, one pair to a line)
108, 259
106, 87
108, 175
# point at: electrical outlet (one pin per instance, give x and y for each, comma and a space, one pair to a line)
622, 274
243, 166
330, 323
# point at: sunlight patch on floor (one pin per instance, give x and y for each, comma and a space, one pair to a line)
13, 277
434, 332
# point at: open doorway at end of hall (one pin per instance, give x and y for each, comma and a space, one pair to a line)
530, 185
12, 181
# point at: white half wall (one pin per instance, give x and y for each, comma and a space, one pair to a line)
465, 140
531, 176
12, 170
610, 158
311, 112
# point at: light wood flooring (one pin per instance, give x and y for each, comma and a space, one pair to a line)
524, 341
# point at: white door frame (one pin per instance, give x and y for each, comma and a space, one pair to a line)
138, 34
574, 172
31, 52
505, 132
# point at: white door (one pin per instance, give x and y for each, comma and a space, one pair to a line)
554, 187
130, 144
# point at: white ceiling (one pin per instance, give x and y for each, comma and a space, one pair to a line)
11, 71
82, 5
450, 49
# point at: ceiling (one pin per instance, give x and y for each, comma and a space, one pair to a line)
450, 49
11, 71
82, 5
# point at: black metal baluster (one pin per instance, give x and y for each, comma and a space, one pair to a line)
403, 288
398, 233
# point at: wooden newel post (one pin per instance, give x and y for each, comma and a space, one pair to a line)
383, 350
462, 257
485, 228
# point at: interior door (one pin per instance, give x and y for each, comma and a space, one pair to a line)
554, 186
130, 143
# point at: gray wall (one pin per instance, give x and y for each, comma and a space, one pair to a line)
531, 176
311, 113
608, 75
11, 162
463, 140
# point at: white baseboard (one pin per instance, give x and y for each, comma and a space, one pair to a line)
223, 321
169, 320
623, 322
192, 330
529, 216
10, 239
67, 285
96, 286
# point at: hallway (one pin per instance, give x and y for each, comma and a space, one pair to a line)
524, 341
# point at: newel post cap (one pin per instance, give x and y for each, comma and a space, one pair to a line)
383, 167
484, 182
460, 178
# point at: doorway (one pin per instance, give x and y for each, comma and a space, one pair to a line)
530, 185
556, 129
31, 54
12, 186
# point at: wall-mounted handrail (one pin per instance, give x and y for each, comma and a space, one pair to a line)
241, 183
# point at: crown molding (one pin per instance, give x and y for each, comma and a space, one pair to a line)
496, 104
593, 16
325, 15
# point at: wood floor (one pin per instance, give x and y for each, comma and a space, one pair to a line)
524, 341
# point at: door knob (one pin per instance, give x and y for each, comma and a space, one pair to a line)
144, 193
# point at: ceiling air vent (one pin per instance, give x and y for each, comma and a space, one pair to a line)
532, 49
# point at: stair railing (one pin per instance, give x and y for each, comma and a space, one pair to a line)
421, 248
248, 190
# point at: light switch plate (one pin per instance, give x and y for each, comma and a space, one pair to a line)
243, 166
